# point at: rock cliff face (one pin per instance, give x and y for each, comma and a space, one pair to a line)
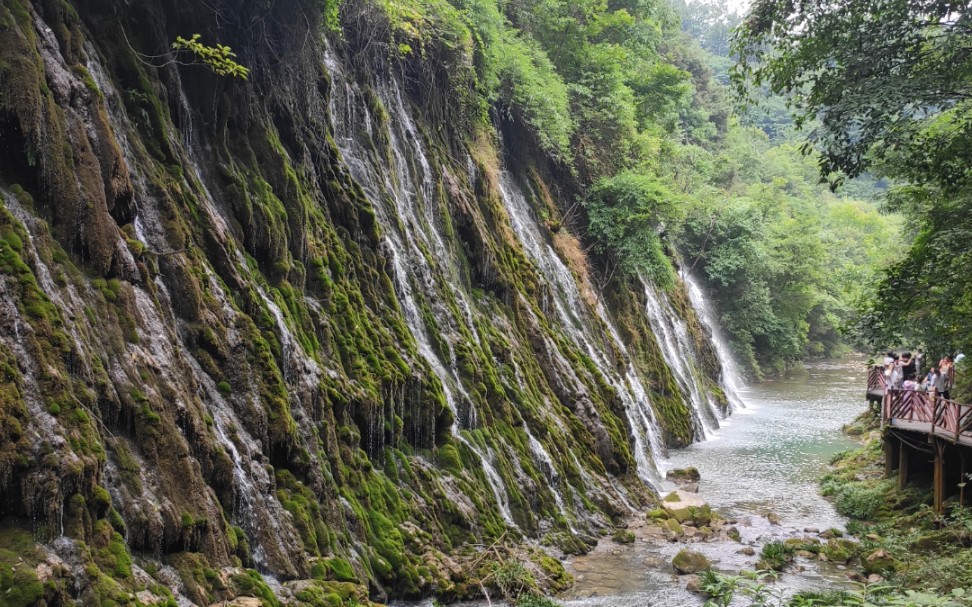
282, 336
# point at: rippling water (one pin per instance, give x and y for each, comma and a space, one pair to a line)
771, 454
767, 458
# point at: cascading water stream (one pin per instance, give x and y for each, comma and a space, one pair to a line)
731, 378
408, 228
672, 337
255, 508
569, 307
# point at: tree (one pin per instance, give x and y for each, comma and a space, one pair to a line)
886, 85
866, 77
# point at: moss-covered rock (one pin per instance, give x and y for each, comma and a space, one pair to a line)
690, 561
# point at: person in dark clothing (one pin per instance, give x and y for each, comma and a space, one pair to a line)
908, 367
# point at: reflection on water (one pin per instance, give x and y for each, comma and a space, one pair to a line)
767, 458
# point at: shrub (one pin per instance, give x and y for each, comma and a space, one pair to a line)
858, 500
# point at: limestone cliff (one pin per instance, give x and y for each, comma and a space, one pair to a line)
280, 336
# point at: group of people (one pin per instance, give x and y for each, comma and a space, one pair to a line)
906, 372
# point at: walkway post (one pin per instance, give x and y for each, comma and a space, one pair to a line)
888, 455
903, 465
939, 476
961, 477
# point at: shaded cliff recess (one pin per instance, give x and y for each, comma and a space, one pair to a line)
310, 337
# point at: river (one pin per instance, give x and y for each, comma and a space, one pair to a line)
766, 458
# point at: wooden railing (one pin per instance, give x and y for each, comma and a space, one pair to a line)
876, 380
925, 412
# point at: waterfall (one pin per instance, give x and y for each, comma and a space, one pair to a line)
672, 336
579, 326
410, 228
731, 379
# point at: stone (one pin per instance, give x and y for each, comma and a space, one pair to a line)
240, 601
684, 475
773, 518
873, 537
747, 550
690, 561
658, 513
148, 598
677, 500
813, 530
673, 526
623, 536
733, 534
874, 579
879, 561
693, 584
690, 487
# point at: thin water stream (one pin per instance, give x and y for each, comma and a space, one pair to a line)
766, 458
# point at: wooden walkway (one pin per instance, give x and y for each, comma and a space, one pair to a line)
916, 425
922, 412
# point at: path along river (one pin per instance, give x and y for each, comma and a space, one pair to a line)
766, 458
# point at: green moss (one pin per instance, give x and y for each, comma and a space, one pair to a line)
252, 584
110, 552
623, 536
449, 459
19, 585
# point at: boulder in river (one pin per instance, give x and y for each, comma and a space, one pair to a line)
674, 527
681, 476
690, 561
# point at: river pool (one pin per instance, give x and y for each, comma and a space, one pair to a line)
766, 458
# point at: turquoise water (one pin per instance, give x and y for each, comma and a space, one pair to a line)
771, 454
767, 458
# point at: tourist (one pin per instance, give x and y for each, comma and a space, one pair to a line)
907, 364
909, 384
946, 378
894, 379
919, 361
930, 380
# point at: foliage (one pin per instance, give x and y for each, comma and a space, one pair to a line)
859, 73
512, 579
639, 112
220, 58
756, 587
757, 591
535, 600
628, 214
776, 555
886, 87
